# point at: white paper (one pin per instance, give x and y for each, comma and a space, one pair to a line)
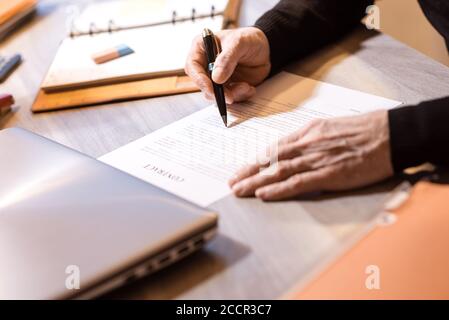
195, 156
153, 54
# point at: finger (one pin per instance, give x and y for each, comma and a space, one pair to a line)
297, 135
251, 169
300, 183
228, 95
279, 152
244, 172
241, 91
285, 152
211, 96
194, 68
227, 61
200, 78
275, 173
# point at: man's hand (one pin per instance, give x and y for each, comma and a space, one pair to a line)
326, 155
243, 63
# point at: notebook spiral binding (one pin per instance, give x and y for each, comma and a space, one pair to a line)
112, 26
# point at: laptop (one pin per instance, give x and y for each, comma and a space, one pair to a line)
72, 227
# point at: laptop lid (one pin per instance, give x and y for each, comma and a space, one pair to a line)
70, 224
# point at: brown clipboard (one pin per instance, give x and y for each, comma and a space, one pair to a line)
130, 90
112, 93
405, 259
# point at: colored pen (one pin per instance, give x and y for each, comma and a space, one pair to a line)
212, 50
8, 65
6, 101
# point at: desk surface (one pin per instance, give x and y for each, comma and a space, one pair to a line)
262, 249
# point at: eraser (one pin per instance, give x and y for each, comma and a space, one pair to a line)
112, 53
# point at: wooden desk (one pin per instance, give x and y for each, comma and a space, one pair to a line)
262, 249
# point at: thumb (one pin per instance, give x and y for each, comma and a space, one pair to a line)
226, 63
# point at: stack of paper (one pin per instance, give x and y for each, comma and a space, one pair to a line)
194, 157
158, 51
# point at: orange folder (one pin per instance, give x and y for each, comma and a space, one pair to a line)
10, 8
407, 259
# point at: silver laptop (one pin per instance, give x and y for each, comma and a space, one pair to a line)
73, 227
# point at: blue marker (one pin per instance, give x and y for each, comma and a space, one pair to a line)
7, 65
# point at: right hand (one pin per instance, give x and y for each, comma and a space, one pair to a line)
243, 63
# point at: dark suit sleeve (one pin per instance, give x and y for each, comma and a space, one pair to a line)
295, 28
420, 134
437, 11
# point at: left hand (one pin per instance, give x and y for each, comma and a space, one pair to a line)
326, 155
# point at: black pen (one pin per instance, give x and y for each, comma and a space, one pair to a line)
212, 51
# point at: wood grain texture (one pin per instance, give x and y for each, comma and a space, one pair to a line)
263, 248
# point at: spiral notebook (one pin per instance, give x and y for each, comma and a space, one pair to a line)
116, 15
160, 48
160, 33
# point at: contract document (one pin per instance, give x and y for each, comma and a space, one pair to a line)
195, 156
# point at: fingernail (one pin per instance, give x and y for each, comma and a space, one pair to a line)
243, 89
217, 75
252, 90
229, 100
237, 189
243, 92
233, 180
207, 96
